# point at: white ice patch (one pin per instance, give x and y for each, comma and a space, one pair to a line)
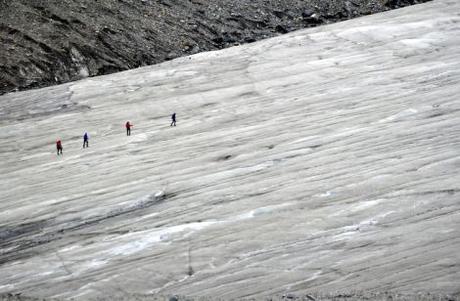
256, 212
47, 273
100, 191
324, 194
358, 207
305, 139
348, 132
364, 205
93, 264
141, 240
418, 43
69, 248
363, 33
149, 215
383, 33
7, 250
356, 228
399, 116
135, 242
6, 287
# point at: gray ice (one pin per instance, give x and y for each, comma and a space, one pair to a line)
322, 160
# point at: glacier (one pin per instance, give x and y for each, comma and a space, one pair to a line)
322, 160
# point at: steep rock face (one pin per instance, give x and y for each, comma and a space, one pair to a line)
48, 42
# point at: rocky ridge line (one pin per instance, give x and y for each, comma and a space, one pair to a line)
43, 43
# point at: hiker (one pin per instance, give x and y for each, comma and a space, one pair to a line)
173, 119
59, 147
128, 128
85, 140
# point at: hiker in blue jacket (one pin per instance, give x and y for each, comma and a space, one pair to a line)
85, 140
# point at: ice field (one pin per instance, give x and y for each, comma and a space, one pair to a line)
325, 160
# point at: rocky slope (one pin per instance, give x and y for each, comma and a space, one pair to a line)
48, 42
386, 296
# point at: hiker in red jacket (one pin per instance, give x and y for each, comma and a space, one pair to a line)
59, 147
128, 128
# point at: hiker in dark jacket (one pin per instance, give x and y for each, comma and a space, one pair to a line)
85, 140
